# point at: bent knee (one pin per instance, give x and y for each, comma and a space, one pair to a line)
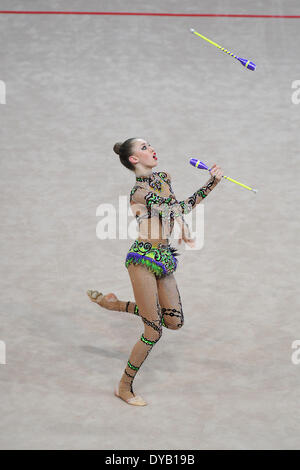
178, 326
175, 324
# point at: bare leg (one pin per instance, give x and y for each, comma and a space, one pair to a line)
146, 296
170, 302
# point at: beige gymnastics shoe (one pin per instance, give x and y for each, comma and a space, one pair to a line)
136, 400
109, 301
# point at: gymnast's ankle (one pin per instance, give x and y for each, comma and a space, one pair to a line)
125, 389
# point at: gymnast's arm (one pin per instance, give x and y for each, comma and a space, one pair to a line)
186, 205
169, 206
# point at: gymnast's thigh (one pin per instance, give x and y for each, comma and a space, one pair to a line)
170, 302
145, 291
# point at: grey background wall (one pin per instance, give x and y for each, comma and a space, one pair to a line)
75, 85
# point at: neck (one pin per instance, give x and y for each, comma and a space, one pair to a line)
143, 173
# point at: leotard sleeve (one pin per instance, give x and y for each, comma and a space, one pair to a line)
170, 206
187, 205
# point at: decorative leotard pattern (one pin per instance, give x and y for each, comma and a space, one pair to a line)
160, 259
166, 206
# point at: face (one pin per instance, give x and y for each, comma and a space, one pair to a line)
144, 154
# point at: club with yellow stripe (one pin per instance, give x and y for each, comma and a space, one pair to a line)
196, 163
246, 63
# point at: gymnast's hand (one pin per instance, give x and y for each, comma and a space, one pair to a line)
217, 172
186, 237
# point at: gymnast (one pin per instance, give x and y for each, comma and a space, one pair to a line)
151, 260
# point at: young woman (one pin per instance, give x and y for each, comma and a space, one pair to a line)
151, 260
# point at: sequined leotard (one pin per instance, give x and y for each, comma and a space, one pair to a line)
155, 207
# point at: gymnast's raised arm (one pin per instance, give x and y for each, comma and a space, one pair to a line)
186, 205
169, 206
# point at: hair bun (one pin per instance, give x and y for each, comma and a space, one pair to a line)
117, 148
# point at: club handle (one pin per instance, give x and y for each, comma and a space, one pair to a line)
240, 184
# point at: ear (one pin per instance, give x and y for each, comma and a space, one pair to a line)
133, 159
